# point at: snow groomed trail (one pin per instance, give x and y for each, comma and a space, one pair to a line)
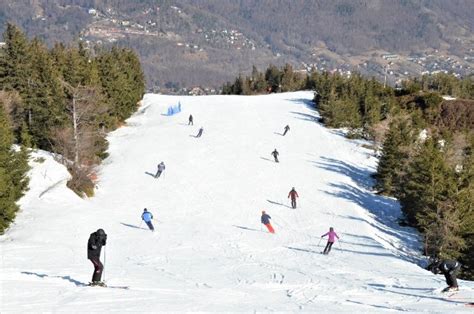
209, 251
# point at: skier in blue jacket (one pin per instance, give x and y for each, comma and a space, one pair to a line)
147, 217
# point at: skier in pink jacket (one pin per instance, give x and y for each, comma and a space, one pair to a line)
332, 235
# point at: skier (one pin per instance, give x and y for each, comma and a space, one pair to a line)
293, 194
190, 122
275, 155
200, 132
287, 128
147, 217
266, 221
449, 268
94, 245
332, 235
161, 167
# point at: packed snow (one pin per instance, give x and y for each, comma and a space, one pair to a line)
209, 251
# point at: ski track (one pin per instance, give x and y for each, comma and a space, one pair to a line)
209, 251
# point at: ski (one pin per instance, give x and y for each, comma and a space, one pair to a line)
104, 285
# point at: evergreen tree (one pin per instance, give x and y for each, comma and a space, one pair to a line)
394, 158
15, 61
273, 78
13, 168
427, 184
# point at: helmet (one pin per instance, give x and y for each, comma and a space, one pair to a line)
100, 231
145, 210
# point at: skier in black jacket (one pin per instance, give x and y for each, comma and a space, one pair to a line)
275, 155
94, 245
449, 268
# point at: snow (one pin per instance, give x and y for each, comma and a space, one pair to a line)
209, 251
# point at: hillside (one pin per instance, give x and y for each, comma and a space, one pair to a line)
209, 251
187, 43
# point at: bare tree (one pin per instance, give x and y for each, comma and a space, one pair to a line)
83, 107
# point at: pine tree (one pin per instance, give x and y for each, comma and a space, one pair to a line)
428, 183
45, 101
394, 157
15, 61
13, 168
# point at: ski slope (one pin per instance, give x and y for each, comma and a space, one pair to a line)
209, 251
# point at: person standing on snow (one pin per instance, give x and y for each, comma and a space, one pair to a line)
266, 221
147, 218
161, 167
293, 194
190, 121
200, 132
287, 128
94, 246
332, 235
275, 155
449, 268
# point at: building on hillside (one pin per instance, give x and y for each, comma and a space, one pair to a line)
390, 56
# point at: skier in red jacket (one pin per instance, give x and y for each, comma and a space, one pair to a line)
293, 194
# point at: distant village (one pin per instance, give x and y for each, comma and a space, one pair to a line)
391, 68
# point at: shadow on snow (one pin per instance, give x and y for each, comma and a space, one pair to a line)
132, 226
276, 203
247, 228
67, 278
385, 212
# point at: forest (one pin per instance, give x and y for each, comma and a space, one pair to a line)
63, 100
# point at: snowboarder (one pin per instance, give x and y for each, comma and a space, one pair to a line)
190, 121
449, 268
287, 128
293, 194
275, 155
161, 167
200, 132
332, 235
147, 218
266, 221
94, 246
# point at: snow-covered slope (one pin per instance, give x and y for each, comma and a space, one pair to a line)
209, 251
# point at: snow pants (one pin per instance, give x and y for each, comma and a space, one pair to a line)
327, 249
451, 278
158, 174
150, 225
284, 133
293, 202
98, 268
270, 228
276, 158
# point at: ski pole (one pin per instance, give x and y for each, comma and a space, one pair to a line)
340, 247
319, 241
140, 226
105, 257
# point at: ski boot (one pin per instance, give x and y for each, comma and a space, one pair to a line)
97, 284
450, 289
